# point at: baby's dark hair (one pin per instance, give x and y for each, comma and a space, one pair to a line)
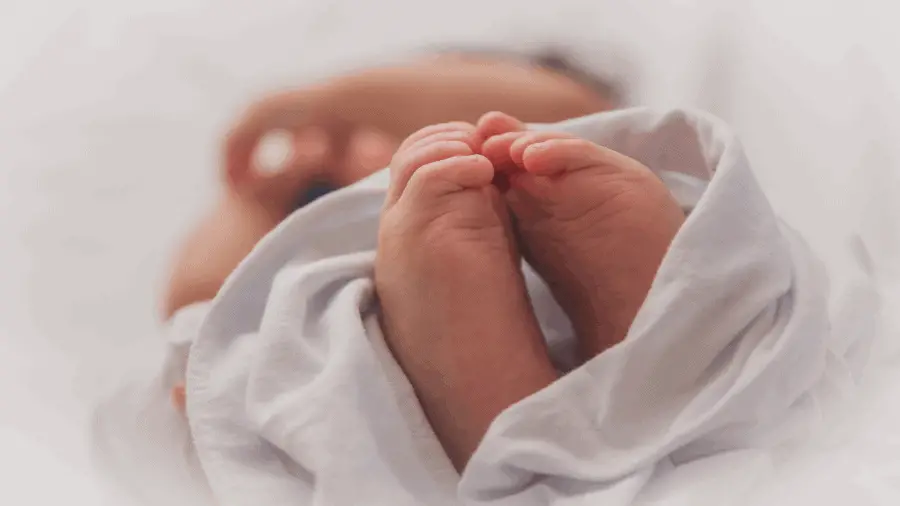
555, 59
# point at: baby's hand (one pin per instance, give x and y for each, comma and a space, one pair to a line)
214, 248
454, 307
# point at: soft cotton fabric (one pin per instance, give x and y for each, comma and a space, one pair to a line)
293, 397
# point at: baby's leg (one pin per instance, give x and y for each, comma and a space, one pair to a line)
455, 311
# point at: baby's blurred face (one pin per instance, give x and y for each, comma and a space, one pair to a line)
368, 151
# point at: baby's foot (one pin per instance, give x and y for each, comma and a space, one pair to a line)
594, 223
455, 311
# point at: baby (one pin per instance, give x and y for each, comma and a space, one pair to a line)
392, 332
465, 203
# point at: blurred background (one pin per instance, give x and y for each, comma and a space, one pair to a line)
112, 115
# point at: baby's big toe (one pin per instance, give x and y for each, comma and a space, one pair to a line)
449, 176
550, 153
406, 163
497, 123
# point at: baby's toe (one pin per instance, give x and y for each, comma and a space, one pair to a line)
448, 176
432, 130
406, 163
548, 153
498, 131
466, 136
497, 123
497, 150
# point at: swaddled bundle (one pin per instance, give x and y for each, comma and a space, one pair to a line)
294, 397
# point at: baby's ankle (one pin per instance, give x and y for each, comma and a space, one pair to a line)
600, 318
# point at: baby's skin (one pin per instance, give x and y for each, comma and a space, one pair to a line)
595, 224
455, 312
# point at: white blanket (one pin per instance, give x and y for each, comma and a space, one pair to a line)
293, 397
